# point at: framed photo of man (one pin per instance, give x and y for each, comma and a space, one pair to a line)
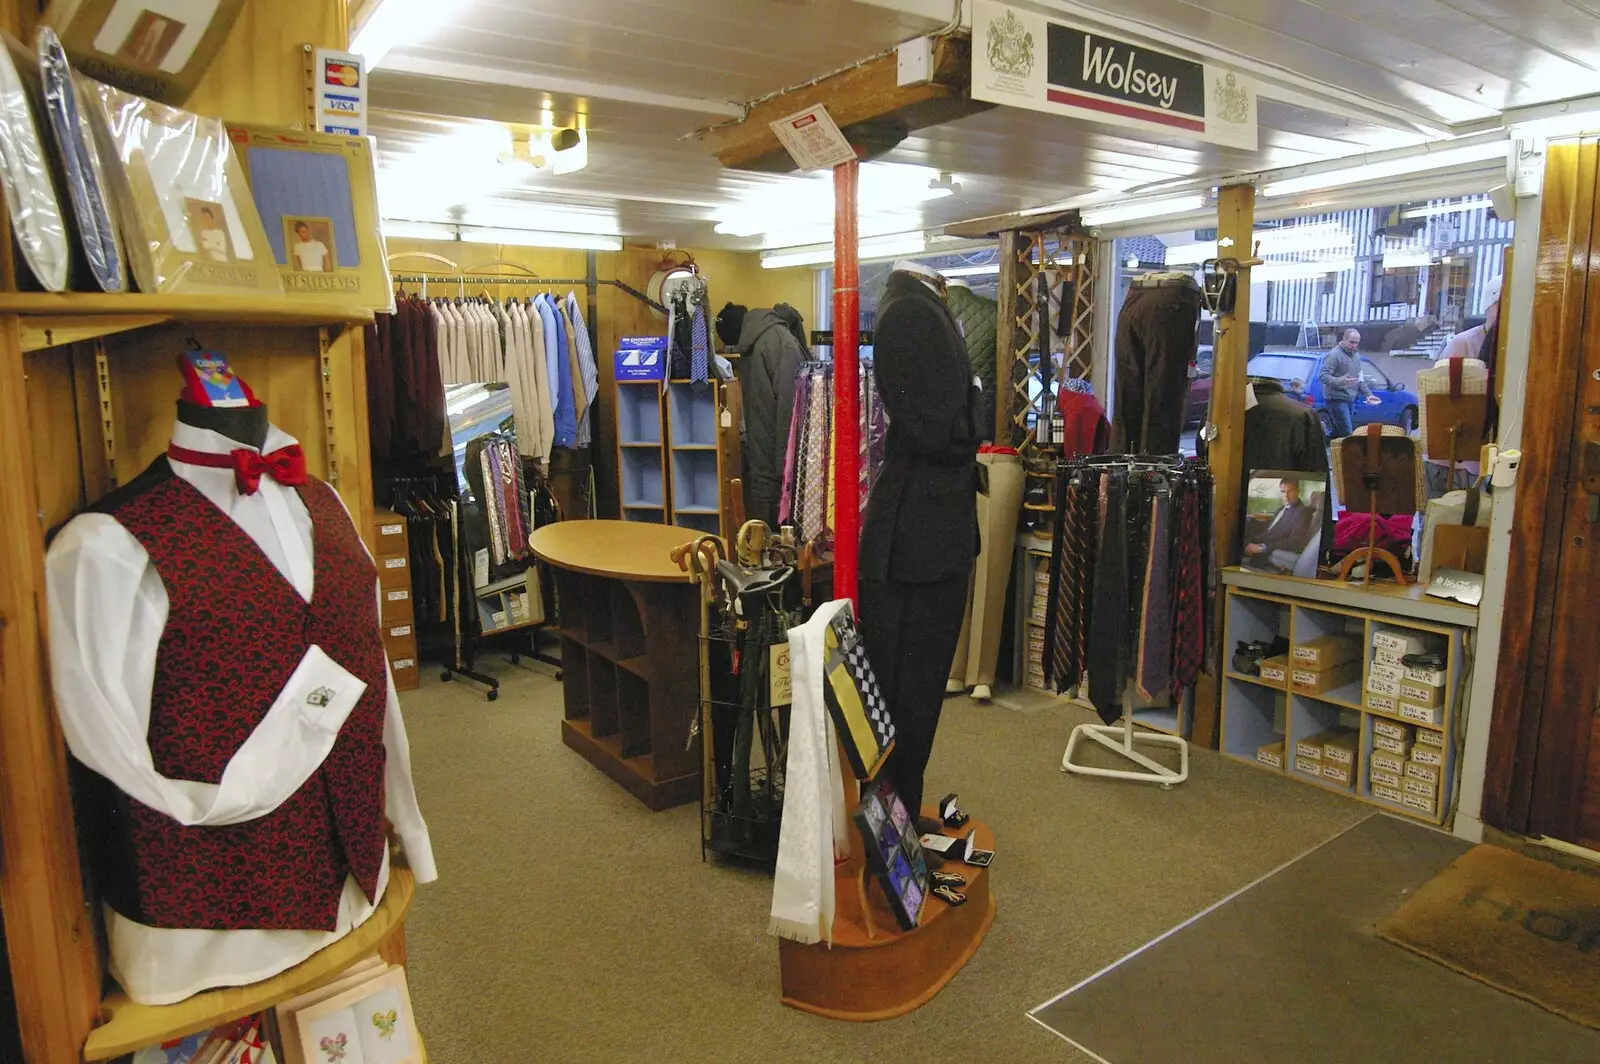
208, 224
1284, 517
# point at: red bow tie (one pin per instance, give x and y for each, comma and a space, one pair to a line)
286, 465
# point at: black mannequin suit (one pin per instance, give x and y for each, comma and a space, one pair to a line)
920, 536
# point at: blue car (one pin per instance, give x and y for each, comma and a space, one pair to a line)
1298, 370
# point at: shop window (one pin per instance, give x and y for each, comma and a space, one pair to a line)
1396, 286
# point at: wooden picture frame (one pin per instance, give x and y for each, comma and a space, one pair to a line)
374, 1018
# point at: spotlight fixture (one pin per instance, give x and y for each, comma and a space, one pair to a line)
945, 184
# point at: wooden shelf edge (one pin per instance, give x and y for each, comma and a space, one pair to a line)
71, 312
132, 1027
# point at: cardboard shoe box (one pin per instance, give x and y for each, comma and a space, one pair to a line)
1392, 730
1271, 754
1401, 640
389, 534
394, 570
400, 641
1322, 681
1420, 802
406, 676
1310, 766
1433, 716
1421, 694
1275, 671
395, 607
1389, 794
1311, 746
1342, 749
1327, 651
1340, 775
1429, 737
1427, 755
1401, 748
1426, 677
1428, 774
1385, 656
1384, 779
1383, 703
1383, 761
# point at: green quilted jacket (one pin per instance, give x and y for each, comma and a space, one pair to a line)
978, 317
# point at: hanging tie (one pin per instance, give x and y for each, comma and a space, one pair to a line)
700, 353
286, 465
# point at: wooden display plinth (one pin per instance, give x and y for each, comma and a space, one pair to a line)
874, 970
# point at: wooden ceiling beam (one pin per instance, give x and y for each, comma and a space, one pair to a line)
866, 101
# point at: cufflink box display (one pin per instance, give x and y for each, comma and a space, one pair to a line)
182, 197
1326, 651
160, 50
317, 197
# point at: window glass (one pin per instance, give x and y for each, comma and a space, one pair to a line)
1408, 277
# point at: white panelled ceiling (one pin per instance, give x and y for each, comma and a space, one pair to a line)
1337, 78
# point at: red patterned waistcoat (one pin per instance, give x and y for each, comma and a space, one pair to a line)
236, 630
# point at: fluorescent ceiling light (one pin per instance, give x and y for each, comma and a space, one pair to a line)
883, 247
532, 238
1409, 164
396, 22
800, 203
1139, 209
417, 230
1405, 258
971, 271
1435, 209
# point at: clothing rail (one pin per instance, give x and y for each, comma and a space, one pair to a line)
533, 282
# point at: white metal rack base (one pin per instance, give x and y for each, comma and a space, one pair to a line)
1120, 739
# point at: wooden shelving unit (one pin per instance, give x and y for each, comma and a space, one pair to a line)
129, 1027
1256, 713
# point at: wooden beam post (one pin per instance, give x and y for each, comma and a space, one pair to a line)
1005, 349
1236, 218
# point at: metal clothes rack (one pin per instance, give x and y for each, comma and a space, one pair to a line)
491, 684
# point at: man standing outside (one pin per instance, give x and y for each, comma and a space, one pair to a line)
1341, 383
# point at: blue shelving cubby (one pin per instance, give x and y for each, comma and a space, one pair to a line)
641, 452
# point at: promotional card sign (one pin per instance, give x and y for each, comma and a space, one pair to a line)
813, 139
317, 197
341, 92
1024, 59
158, 49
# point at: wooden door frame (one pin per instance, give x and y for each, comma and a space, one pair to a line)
1563, 287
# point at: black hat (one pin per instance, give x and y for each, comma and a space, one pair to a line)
730, 323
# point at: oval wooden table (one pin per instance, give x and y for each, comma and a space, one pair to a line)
630, 619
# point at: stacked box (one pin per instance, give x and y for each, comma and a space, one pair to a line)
1038, 613
1342, 749
1327, 651
1339, 775
1429, 737
395, 616
1383, 703
1393, 764
1305, 681
1275, 671
1271, 754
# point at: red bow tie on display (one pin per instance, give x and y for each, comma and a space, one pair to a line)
286, 465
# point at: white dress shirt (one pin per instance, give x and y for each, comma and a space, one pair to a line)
107, 611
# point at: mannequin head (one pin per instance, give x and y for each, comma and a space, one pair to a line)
1491, 298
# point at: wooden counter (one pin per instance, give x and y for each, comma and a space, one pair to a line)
630, 619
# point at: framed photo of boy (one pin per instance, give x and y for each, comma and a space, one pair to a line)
310, 244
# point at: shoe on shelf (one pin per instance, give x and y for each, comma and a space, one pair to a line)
981, 693
954, 687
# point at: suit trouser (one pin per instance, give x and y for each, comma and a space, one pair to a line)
978, 649
909, 631
1156, 341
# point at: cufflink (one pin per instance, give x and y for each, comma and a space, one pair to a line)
320, 697
950, 896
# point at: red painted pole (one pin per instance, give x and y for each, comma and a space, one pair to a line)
846, 415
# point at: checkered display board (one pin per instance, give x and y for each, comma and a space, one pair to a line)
860, 714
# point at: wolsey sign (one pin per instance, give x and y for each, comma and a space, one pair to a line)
1027, 60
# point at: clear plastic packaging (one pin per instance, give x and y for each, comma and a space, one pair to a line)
36, 218
86, 186
190, 222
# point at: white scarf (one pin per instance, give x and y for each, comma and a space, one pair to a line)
815, 824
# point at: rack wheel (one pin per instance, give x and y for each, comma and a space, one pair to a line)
558, 676
494, 694
515, 658
446, 675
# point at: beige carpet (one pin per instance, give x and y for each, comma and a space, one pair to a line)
571, 924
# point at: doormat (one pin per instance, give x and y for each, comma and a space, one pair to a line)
1518, 924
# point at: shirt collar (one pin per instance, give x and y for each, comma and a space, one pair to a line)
206, 441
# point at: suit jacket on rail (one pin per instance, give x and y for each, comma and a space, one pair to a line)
922, 518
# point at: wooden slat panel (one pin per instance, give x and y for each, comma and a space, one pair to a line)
49, 937
1558, 306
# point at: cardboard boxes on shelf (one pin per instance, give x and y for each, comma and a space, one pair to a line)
1393, 764
395, 612
1271, 754
1343, 748
1327, 651
1314, 682
1275, 671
